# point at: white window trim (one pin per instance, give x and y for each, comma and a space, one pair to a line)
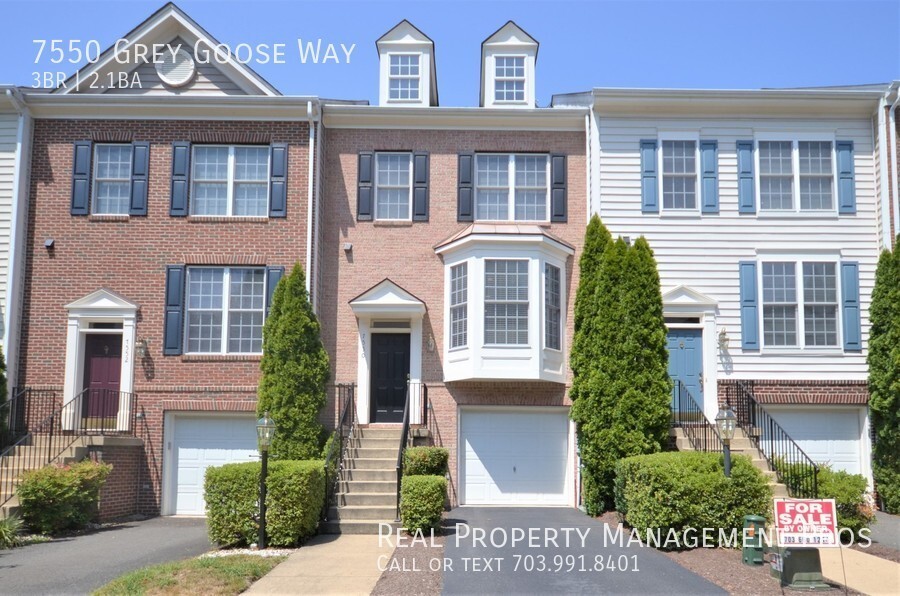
795, 139
511, 190
391, 77
528, 303
95, 178
694, 137
377, 186
523, 78
226, 296
801, 347
464, 305
229, 182
544, 305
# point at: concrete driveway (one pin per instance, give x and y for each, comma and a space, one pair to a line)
81, 564
559, 551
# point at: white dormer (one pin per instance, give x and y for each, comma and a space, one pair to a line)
406, 63
507, 68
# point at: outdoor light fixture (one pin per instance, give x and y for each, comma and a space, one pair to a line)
265, 431
726, 423
141, 348
723, 340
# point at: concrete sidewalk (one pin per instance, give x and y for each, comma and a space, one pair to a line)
328, 564
865, 573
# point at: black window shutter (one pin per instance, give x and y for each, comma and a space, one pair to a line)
465, 204
181, 168
140, 169
273, 276
174, 313
81, 178
278, 181
420, 187
364, 180
558, 192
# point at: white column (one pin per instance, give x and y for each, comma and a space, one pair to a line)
362, 376
73, 342
415, 368
126, 382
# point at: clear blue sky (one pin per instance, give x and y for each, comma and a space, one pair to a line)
584, 44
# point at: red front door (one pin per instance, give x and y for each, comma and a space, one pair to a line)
102, 372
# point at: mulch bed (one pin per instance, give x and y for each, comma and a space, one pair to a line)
412, 573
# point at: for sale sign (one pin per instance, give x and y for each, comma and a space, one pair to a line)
806, 522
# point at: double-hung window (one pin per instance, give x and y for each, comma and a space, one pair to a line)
506, 302
679, 175
112, 180
225, 310
511, 187
393, 189
459, 309
552, 307
509, 79
792, 169
403, 79
800, 304
230, 180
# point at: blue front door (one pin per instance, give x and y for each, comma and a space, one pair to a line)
686, 362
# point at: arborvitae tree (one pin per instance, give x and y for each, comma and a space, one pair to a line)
596, 240
622, 408
884, 378
295, 371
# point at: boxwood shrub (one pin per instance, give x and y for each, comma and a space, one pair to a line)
55, 499
425, 461
422, 502
678, 490
295, 493
854, 509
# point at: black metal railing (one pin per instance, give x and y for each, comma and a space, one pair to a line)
91, 412
688, 416
793, 467
13, 421
416, 393
335, 459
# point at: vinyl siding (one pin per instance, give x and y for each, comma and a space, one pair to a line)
702, 252
8, 129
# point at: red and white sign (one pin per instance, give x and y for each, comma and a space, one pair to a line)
806, 522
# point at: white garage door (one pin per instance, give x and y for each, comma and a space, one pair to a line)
513, 457
827, 436
201, 442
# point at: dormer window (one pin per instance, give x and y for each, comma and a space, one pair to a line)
509, 78
404, 77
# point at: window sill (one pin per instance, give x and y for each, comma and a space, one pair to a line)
793, 352
682, 214
392, 223
110, 217
226, 219
797, 215
221, 357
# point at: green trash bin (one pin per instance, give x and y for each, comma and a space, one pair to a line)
752, 549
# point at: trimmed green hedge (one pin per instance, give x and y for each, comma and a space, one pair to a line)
55, 499
678, 490
294, 498
422, 502
425, 461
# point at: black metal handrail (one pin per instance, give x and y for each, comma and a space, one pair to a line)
90, 412
335, 459
13, 422
404, 438
793, 467
688, 416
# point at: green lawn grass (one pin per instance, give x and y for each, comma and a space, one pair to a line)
209, 575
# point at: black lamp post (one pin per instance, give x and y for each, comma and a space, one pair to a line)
726, 423
265, 431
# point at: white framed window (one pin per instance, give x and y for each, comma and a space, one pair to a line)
459, 309
225, 310
512, 187
552, 307
796, 175
800, 304
404, 79
112, 179
230, 180
393, 186
505, 302
509, 79
679, 175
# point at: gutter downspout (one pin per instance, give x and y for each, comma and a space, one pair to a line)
588, 162
895, 163
883, 160
310, 117
317, 241
18, 223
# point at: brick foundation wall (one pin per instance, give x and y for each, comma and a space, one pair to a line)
803, 392
120, 495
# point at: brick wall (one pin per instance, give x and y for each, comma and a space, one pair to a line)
129, 256
405, 254
120, 494
803, 392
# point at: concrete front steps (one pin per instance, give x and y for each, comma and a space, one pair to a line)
740, 445
367, 489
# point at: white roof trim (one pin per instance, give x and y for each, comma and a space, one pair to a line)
387, 298
102, 299
683, 296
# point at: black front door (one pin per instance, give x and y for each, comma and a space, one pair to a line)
390, 369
